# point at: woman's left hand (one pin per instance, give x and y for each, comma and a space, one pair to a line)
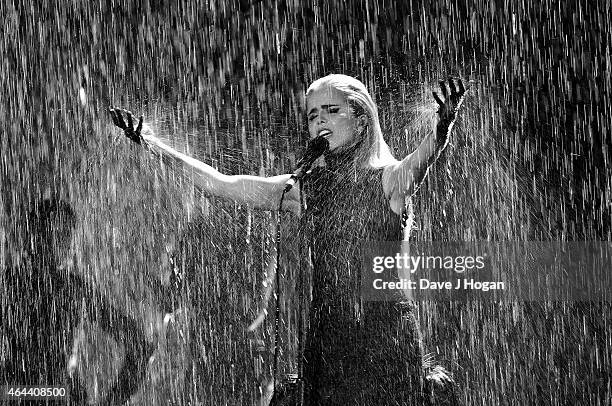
449, 107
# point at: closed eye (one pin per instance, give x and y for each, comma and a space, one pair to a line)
328, 108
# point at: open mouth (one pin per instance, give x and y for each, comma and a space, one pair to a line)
324, 133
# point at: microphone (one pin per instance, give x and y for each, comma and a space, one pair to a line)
316, 147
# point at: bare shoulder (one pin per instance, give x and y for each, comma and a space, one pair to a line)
389, 178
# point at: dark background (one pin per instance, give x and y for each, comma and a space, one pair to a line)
224, 81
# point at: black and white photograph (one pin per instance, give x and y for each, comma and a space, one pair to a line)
305, 203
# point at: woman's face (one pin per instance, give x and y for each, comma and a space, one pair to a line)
329, 115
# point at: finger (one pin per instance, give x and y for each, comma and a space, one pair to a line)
453, 88
461, 88
130, 121
120, 119
443, 88
114, 116
435, 96
139, 128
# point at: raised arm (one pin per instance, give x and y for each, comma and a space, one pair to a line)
405, 178
256, 191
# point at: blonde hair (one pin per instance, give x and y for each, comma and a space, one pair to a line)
375, 150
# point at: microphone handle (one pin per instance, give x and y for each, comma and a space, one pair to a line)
297, 175
290, 183
316, 148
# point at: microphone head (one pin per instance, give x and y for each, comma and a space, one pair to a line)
319, 145
316, 147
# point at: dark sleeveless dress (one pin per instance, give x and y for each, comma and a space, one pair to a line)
356, 353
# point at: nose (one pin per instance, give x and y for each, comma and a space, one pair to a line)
322, 117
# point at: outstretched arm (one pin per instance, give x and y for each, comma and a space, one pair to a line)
404, 178
256, 191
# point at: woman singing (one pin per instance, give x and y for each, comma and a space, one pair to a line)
355, 353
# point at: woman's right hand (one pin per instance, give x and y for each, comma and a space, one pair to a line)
134, 134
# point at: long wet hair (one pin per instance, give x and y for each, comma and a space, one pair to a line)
374, 151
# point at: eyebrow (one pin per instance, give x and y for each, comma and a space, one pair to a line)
324, 106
